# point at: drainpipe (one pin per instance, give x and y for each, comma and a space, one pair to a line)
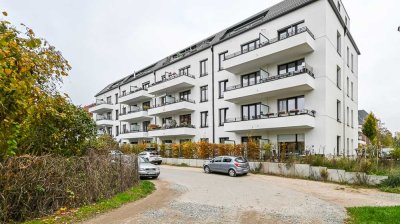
344, 97
212, 92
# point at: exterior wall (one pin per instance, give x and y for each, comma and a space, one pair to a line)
324, 59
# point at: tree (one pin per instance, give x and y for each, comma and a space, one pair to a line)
30, 69
370, 127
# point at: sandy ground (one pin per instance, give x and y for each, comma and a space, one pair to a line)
188, 195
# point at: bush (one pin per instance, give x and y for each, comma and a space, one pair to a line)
32, 186
393, 181
163, 149
188, 149
175, 148
203, 151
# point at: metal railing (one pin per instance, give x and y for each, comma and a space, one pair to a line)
133, 130
173, 102
100, 102
165, 127
295, 112
103, 119
139, 109
271, 41
171, 77
134, 91
307, 69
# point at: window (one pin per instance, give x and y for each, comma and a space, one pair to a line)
217, 159
352, 118
291, 67
184, 71
348, 146
109, 130
222, 116
124, 128
246, 139
116, 115
184, 95
163, 77
346, 20
249, 46
108, 116
291, 144
339, 43
253, 111
348, 116
223, 140
338, 106
145, 125
250, 79
204, 119
185, 120
338, 6
293, 104
221, 58
146, 105
338, 145
124, 93
166, 120
348, 57
204, 94
145, 85
352, 62
123, 110
204, 140
339, 77
222, 88
203, 68
226, 160
116, 98
289, 31
109, 100
117, 130
348, 86
164, 99
352, 90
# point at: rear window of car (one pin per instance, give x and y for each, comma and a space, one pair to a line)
153, 153
240, 160
226, 160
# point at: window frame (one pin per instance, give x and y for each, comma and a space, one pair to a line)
222, 122
299, 64
296, 100
204, 120
204, 93
184, 70
220, 92
203, 67
220, 60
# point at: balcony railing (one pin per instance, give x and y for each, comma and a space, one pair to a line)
171, 77
153, 127
270, 41
173, 102
307, 69
133, 91
100, 102
133, 130
273, 115
103, 119
134, 111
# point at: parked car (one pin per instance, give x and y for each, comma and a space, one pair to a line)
227, 164
146, 169
152, 156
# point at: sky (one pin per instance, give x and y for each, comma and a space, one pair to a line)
107, 40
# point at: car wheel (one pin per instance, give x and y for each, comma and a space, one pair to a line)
232, 172
207, 169
159, 163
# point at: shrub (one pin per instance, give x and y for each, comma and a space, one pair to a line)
175, 148
221, 149
163, 149
188, 149
203, 151
126, 148
392, 181
253, 149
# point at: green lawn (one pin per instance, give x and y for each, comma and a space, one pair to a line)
85, 212
374, 215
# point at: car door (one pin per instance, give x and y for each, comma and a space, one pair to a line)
225, 164
215, 165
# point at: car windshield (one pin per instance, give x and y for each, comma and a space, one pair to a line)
143, 160
240, 160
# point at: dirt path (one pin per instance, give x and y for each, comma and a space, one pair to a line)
187, 195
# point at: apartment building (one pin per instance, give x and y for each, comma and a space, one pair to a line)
287, 75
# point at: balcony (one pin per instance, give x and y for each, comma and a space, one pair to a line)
101, 107
173, 131
136, 95
135, 115
104, 121
272, 51
135, 133
297, 81
173, 107
296, 119
174, 83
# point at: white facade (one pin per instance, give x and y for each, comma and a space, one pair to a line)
300, 92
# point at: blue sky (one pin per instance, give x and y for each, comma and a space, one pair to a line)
106, 40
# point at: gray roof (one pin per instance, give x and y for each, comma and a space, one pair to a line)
362, 114
258, 19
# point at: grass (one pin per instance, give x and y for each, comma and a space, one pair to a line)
75, 215
374, 215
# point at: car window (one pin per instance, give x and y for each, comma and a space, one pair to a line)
153, 154
142, 154
240, 160
227, 160
217, 159
142, 160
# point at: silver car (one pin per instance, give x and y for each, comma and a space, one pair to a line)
152, 156
227, 164
146, 169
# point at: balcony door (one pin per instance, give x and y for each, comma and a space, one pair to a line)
250, 79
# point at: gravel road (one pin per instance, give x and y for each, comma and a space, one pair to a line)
188, 195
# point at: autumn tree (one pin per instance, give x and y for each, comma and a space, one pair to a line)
370, 127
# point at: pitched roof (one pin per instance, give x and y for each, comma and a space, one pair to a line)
271, 13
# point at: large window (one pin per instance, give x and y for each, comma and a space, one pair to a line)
222, 88
246, 139
339, 43
184, 95
145, 125
221, 58
146, 105
291, 67
291, 144
223, 140
249, 46
250, 79
164, 99
204, 119
184, 71
338, 110
185, 120
166, 120
108, 100
204, 94
145, 85
289, 31
253, 111
338, 77
222, 116
293, 104
203, 68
